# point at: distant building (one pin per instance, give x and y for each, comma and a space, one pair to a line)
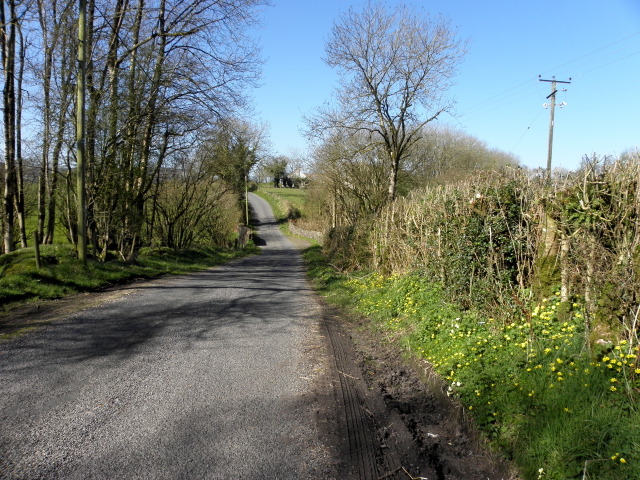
298, 173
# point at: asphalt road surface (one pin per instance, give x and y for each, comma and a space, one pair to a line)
205, 375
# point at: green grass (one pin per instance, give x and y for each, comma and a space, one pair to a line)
278, 212
555, 409
296, 197
62, 274
325, 278
287, 203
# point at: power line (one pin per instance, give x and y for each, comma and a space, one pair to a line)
499, 95
480, 108
609, 63
527, 130
557, 69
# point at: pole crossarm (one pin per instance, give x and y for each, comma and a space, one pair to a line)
557, 81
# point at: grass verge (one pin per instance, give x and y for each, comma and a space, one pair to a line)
295, 198
62, 274
555, 408
286, 203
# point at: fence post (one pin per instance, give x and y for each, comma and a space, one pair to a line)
36, 243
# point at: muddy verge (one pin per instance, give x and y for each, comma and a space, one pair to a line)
397, 423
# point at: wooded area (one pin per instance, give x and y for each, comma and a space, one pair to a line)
164, 80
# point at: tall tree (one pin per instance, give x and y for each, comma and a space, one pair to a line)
20, 201
55, 75
8, 31
395, 66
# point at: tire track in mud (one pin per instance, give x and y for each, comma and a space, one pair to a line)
378, 444
361, 447
391, 422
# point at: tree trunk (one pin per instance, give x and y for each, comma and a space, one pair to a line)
80, 134
95, 97
66, 72
8, 44
20, 168
47, 71
393, 178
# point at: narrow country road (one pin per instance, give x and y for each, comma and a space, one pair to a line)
206, 375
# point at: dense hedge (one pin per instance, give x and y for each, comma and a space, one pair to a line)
507, 237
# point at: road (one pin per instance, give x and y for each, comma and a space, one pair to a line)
207, 375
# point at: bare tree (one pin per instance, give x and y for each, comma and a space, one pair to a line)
20, 201
54, 73
353, 179
395, 66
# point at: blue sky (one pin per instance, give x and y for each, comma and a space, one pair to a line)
499, 98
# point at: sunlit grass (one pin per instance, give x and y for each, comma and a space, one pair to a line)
295, 196
287, 203
62, 274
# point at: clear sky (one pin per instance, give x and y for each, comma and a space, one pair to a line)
499, 98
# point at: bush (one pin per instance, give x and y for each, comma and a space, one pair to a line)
348, 247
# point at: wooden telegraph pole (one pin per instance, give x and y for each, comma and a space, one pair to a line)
80, 133
552, 97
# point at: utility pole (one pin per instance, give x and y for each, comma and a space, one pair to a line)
80, 134
246, 199
552, 96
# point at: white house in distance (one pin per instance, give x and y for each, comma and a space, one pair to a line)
298, 173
